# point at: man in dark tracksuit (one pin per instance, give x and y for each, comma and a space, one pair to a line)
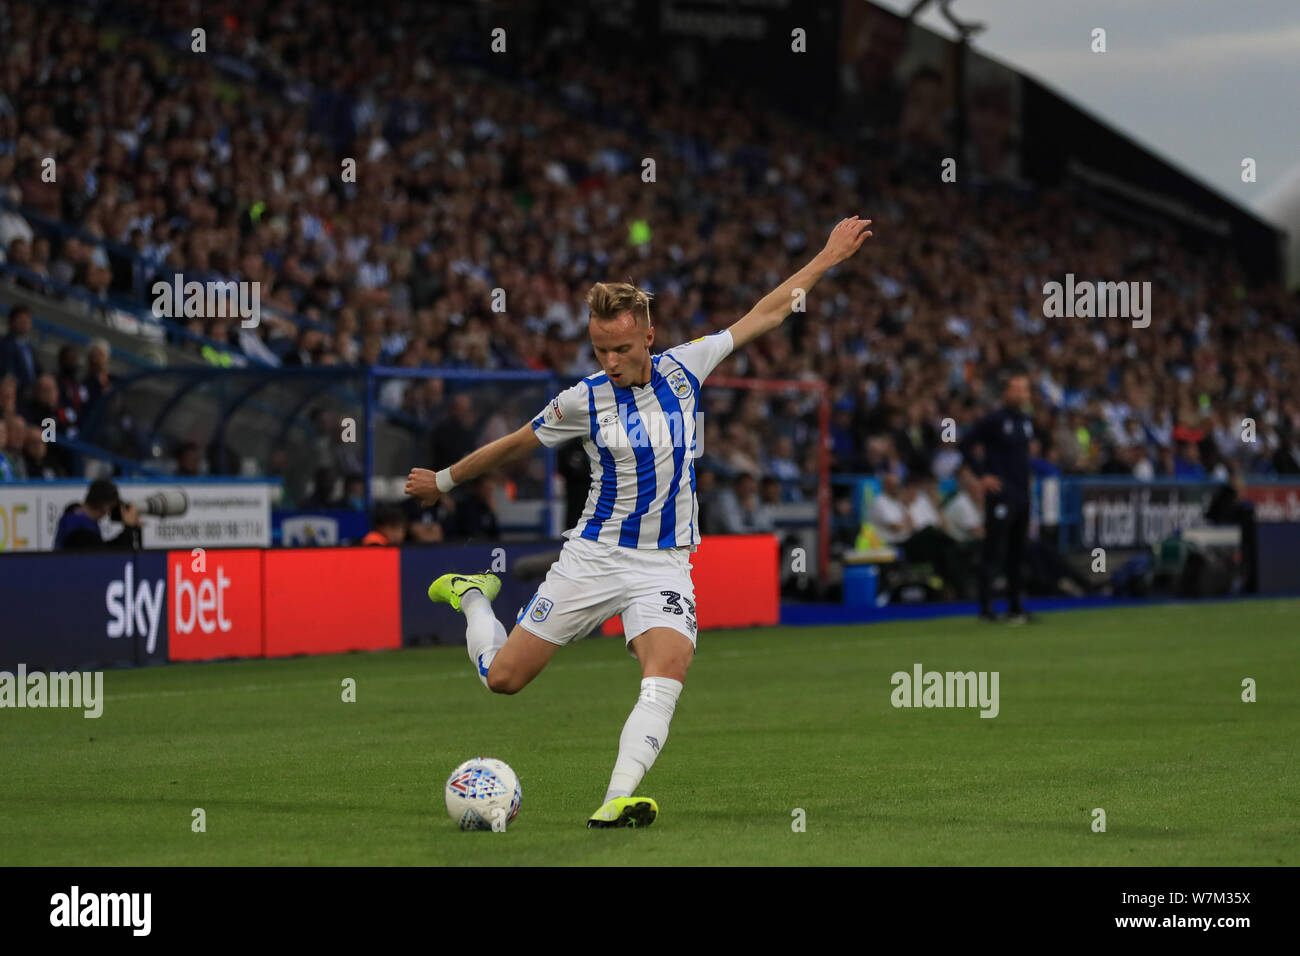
1003, 470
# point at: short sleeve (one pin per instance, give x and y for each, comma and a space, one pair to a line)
701, 356
566, 417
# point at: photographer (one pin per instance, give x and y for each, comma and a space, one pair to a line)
79, 526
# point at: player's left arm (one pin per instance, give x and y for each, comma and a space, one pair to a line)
845, 239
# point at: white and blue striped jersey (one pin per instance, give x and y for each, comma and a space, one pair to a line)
642, 445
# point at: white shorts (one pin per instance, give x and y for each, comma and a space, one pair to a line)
593, 581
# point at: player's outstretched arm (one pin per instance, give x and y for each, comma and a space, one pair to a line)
423, 483
845, 239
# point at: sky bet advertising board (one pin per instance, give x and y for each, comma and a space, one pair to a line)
98, 611
83, 611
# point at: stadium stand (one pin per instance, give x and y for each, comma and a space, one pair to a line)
228, 167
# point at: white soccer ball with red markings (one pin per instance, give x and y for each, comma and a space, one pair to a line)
483, 793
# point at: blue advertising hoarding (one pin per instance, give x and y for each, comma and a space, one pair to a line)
424, 622
83, 611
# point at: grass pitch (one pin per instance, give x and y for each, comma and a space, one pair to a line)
1137, 711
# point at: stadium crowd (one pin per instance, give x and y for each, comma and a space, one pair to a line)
230, 165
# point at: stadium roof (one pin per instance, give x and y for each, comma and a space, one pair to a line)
1281, 205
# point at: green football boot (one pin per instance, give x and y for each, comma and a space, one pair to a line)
450, 588
636, 812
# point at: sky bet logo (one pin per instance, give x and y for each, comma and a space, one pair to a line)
203, 605
134, 609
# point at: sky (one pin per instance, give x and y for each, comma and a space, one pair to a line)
1201, 83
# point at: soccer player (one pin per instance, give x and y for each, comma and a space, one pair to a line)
629, 553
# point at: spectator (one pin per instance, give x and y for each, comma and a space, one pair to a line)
1139, 462
324, 495
189, 460
903, 336
17, 357
388, 527
1187, 463
8, 395
894, 512
454, 437
354, 492
575, 467
50, 421
1166, 466
769, 492
39, 463
928, 542
706, 499
44, 406
70, 266
1041, 464
1286, 460
19, 256
310, 349
392, 392
278, 468
425, 524
329, 449
920, 500
12, 224
915, 438
98, 380
888, 513
12, 446
475, 516
72, 394
741, 511
963, 513
781, 464
79, 527
1113, 460
9, 471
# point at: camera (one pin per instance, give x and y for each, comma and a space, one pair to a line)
160, 504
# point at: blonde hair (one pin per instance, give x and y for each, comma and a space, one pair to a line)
609, 300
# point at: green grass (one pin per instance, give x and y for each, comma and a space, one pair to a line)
1136, 711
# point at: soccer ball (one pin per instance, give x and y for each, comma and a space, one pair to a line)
483, 793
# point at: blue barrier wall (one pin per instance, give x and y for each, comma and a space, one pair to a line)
424, 622
115, 616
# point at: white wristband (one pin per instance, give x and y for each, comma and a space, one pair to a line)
443, 478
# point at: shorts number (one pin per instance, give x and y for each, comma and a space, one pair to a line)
674, 607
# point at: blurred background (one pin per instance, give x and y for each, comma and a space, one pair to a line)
424, 215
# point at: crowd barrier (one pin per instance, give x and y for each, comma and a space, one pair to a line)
81, 611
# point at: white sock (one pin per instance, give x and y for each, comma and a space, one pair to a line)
644, 735
484, 635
